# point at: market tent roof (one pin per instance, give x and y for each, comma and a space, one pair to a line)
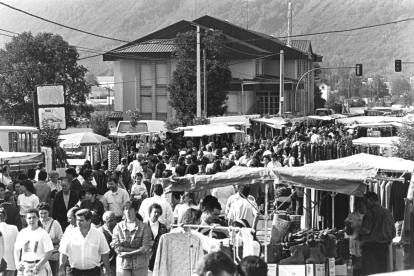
208, 130
85, 139
375, 141
321, 118
369, 125
368, 120
16, 157
368, 160
341, 179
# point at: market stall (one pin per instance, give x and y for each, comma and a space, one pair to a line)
368, 120
384, 144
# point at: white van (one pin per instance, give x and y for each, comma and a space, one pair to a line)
324, 112
142, 126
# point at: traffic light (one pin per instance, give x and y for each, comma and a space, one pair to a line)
398, 65
358, 70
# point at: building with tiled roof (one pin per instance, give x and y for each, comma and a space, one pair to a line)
143, 70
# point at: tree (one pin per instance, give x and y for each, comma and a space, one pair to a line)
404, 146
183, 86
172, 123
91, 79
28, 61
135, 116
49, 137
99, 124
318, 101
400, 86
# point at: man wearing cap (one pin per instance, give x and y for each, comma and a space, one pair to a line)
9, 234
71, 176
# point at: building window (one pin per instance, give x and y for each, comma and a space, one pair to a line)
161, 74
146, 76
13, 141
267, 103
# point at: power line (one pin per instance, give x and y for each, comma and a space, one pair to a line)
61, 25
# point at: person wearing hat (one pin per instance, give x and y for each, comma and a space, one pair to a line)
39, 167
71, 176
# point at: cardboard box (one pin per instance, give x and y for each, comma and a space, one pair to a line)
341, 270
271, 269
315, 269
331, 266
292, 270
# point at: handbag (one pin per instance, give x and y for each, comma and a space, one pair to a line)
55, 253
3, 265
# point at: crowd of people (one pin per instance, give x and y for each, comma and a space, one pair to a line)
94, 221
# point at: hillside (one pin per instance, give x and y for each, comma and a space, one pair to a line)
127, 20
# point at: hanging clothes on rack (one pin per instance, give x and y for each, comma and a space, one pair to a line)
398, 194
388, 194
177, 254
382, 191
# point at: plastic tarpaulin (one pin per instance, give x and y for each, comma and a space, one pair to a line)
368, 120
208, 130
363, 160
375, 141
341, 179
16, 157
374, 125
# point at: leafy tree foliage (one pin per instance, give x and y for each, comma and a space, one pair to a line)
91, 79
183, 86
172, 123
28, 61
135, 116
99, 124
319, 102
404, 146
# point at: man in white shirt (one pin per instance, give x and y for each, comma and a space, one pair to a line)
243, 208
114, 199
315, 137
167, 216
9, 234
246, 158
223, 194
134, 166
85, 246
274, 163
209, 153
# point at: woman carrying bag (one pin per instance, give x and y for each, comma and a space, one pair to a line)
55, 232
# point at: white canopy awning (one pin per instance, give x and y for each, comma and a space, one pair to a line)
368, 160
341, 179
208, 130
372, 125
375, 141
16, 157
368, 120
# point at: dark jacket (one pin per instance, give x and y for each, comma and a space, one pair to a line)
162, 229
76, 185
96, 206
101, 181
13, 215
59, 208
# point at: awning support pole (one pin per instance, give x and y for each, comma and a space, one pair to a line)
266, 218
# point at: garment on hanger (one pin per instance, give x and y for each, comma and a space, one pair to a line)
377, 189
382, 192
177, 254
397, 204
388, 194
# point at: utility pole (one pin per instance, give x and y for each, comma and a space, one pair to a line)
281, 82
198, 74
349, 88
109, 100
205, 82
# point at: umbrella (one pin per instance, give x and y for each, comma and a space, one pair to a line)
86, 139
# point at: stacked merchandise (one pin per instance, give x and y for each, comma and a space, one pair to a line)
113, 159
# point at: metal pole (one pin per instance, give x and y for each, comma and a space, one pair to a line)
198, 74
281, 82
205, 82
266, 218
242, 100
109, 101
